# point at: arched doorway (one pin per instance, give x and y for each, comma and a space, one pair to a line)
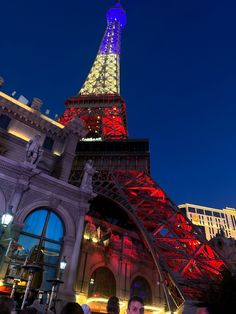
141, 288
102, 283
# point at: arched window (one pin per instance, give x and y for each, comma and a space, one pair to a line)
40, 241
102, 283
141, 288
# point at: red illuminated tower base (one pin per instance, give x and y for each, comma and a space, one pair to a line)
104, 115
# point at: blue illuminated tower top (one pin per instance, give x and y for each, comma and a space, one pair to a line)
116, 20
104, 76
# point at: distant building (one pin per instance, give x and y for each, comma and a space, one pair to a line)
212, 219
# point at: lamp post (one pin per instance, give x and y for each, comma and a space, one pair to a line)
57, 281
5, 221
32, 268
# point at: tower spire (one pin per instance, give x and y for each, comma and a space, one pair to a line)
104, 76
99, 102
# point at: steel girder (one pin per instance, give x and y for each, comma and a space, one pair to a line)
185, 261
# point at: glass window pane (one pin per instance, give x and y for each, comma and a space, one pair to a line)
34, 223
49, 273
26, 246
55, 228
200, 211
51, 252
191, 210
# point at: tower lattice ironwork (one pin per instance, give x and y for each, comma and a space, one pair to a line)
99, 103
185, 261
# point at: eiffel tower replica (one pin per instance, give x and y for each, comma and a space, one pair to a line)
184, 260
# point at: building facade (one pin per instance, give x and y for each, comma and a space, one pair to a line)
211, 220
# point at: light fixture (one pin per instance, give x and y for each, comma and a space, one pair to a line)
63, 263
7, 218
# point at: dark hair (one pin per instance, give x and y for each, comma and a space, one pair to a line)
6, 304
29, 310
135, 298
113, 305
72, 308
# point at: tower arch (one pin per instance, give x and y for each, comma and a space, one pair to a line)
172, 240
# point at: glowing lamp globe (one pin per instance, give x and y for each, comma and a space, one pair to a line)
6, 219
63, 263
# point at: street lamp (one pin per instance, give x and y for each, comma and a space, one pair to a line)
63, 264
7, 218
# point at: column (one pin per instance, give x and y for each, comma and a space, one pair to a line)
74, 260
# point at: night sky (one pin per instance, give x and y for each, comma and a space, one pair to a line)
178, 65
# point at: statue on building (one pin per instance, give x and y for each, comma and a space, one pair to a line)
89, 171
34, 150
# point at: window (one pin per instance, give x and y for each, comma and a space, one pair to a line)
102, 283
48, 143
40, 241
141, 288
200, 211
208, 212
4, 121
191, 210
216, 214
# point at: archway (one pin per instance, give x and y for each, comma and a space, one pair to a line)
141, 288
102, 283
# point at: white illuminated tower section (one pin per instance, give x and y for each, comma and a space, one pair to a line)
104, 77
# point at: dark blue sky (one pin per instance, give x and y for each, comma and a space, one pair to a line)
178, 65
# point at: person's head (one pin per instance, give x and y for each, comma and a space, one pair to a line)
113, 305
6, 304
86, 309
33, 293
135, 305
72, 308
29, 310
